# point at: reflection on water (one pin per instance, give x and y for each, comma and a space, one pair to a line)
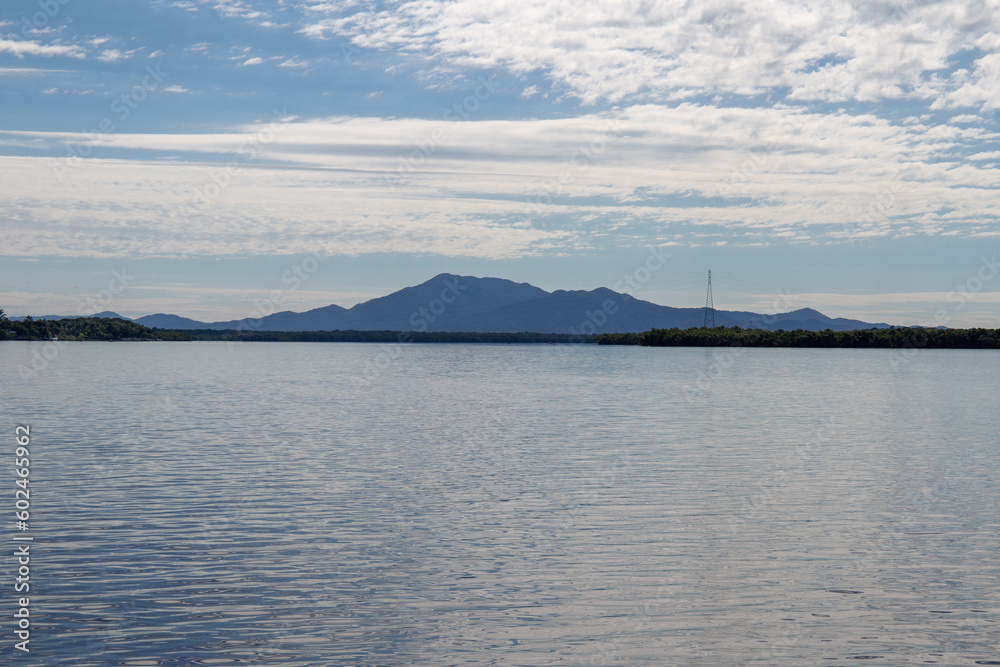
510, 505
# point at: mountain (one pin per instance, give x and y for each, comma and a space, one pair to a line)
443, 303
449, 302
162, 321
106, 314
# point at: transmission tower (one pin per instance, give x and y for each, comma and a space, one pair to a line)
709, 306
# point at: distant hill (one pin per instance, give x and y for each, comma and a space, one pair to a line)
455, 303
162, 321
106, 314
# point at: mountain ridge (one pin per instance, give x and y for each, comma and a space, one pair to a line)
454, 303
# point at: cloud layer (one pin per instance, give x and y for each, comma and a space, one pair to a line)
825, 50
644, 175
497, 130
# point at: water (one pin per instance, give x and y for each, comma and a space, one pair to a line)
342, 504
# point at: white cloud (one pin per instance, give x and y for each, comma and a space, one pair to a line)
252, 61
650, 174
176, 89
235, 8
828, 50
29, 71
22, 48
151, 215
981, 89
294, 62
111, 55
228, 9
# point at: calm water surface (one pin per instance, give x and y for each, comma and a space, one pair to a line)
343, 504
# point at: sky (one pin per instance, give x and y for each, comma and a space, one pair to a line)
201, 157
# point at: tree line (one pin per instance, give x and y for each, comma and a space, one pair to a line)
102, 328
896, 337
81, 328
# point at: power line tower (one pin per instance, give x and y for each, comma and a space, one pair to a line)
709, 306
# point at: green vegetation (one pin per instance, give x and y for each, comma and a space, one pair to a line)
100, 328
81, 328
877, 338
379, 336
95, 328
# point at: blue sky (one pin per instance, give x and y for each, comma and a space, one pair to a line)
843, 154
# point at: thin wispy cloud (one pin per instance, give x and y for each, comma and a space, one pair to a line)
112, 55
22, 48
766, 175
